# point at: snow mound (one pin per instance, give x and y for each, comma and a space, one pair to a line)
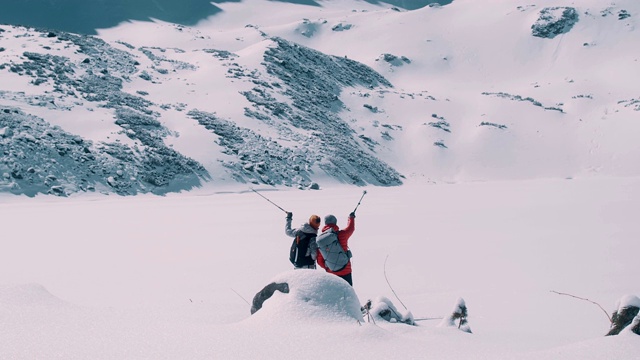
27, 295
628, 301
312, 294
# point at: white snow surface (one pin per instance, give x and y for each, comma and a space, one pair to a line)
628, 301
160, 277
501, 218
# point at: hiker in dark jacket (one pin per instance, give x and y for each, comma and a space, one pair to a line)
343, 238
304, 248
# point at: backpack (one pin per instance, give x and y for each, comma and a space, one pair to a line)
298, 253
335, 258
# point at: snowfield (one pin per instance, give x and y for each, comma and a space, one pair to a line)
497, 143
172, 277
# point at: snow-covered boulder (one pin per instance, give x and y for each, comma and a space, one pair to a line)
626, 317
310, 294
554, 21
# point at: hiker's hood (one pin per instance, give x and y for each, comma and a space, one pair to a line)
330, 226
306, 228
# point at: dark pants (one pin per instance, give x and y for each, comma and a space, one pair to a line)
347, 278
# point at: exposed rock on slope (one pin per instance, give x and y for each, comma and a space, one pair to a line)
296, 94
40, 158
554, 21
314, 81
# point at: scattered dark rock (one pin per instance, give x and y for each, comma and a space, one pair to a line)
440, 144
221, 54
527, 99
372, 108
394, 60
499, 126
342, 27
623, 14
442, 125
631, 103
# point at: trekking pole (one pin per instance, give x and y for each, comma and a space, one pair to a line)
269, 201
363, 194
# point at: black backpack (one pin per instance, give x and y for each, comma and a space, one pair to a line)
299, 247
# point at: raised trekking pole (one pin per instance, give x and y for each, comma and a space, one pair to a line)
264, 197
363, 194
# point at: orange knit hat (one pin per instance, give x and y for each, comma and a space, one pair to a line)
314, 221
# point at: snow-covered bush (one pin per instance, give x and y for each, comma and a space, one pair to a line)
626, 317
383, 309
459, 315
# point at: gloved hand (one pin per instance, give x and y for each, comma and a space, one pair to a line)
289, 215
352, 215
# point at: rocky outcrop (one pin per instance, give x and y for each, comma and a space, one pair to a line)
554, 21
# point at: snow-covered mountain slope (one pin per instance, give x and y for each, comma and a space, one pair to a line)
323, 92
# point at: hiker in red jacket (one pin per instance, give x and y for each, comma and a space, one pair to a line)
343, 238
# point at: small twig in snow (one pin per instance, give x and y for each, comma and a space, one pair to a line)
593, 302
385, 277
245, 300
429, 318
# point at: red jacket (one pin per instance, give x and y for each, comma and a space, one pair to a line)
343, 239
